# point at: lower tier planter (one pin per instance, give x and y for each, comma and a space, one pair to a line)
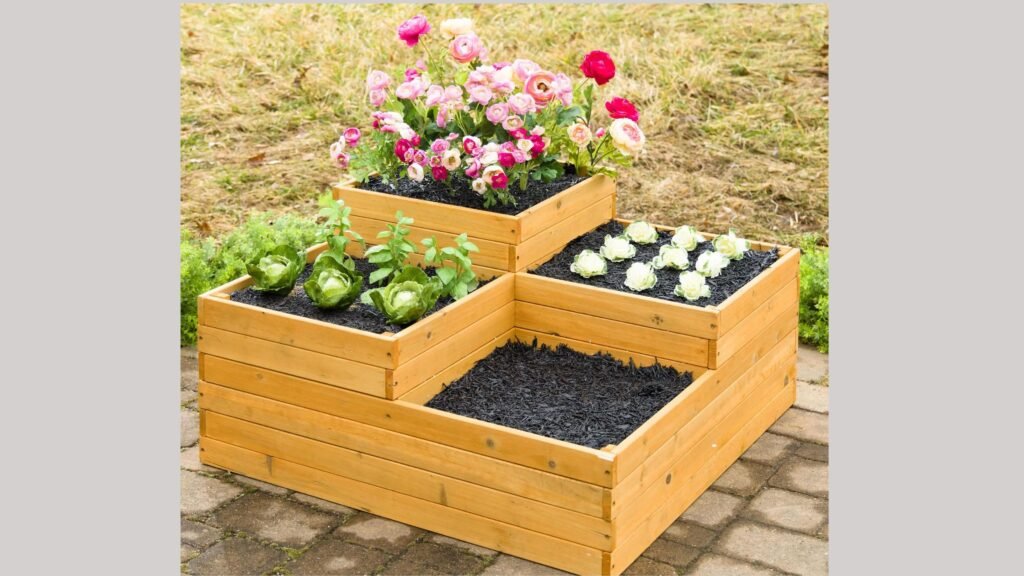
384, 365
668, 330
575, 508
506, 242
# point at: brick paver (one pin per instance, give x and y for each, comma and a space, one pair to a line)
766, 515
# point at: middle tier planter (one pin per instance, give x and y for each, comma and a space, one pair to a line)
507, 242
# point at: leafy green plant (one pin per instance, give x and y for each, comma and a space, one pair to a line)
459, 279
390, 257
336, 229
195, 279
814, 293
277, 270
408, 296
332, 284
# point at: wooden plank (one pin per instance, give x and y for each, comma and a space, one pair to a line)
500, 469
748, 298
431, 215
564, 205
425, 392
313, 335
455, 317
614, 305
612, 333
303, 363
561, 233
624, 356
492, 254
455, 523
439, 489
412, 373
636, 497
779, 303
631, 545
651, 435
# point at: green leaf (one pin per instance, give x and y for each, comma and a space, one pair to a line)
568, 116
467, 245
380, 274
379, 257
459, 291
375, 249
430, 254
276, 270
446, 275
332, 284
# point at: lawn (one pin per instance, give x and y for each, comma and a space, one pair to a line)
734, 101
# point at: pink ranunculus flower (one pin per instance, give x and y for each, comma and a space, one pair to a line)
442, 116
579, 134
452, 136
501, 80
490, 171
419, 156
499, 180
627, 137
415, 172
411, 30
439, 146
337, 149
506, 159
466, 47
522, 103
435, 95
480, 94
351, 136
540, 86
451, 159
377, 98
512, 123
473, 169
523, 69
507, 147
342, 161
520, 156
470, 143
562, 85
599, 133
439, 173
377, 80
497, 113
538, 130
453, 93
411, 73
435, 160
410, 90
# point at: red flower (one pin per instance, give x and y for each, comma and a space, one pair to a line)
401, 148
506, 159
599, 66
440, 173
518, 133
499, 180
411, 30
538, 145
622, 108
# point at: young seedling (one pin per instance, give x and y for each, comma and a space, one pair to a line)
390, 257
458, 280
336, 229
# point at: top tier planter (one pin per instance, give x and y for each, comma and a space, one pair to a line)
507, 243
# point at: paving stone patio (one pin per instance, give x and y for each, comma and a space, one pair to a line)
767, 515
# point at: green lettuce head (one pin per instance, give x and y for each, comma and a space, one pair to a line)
332, 284
407, 297
277, 270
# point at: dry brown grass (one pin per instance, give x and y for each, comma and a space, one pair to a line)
734, 100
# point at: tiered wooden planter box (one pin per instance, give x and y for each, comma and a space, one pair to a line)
280, 401
507, 243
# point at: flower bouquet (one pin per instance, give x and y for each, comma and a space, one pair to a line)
461, 120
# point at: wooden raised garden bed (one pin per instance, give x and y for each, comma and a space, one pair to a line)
507, 243
580, 509
383, 365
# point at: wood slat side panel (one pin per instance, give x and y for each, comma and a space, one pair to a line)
492, 254
482, 531
565, 205
529, 451
431, 215
412, 373
559, 234
339, 341
454, 318
612, 333
624, 356
691, 450
757, 292
439, 489
635, 449
782, 302
289, 359
613, 305
424, 392
631, 545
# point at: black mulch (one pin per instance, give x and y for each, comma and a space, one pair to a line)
461, 194
591, 400
360, 316
737, 274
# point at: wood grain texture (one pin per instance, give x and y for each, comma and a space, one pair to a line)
492, 254
561, 233
425, 392
566, 205
747, 299
779, 303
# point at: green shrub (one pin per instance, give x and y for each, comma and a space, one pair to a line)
814, 293
208, 264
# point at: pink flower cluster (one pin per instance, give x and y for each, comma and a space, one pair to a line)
349, 139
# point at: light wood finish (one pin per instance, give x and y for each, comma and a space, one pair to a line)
611, 333
560, 207
427, 515
422, 484
614, 305
491, 255
530, 450
424, 392
561, 233
776, 305
748, 298
319, 367
650, 436
624, 356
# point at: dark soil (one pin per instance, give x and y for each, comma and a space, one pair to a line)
461, 194
737, 274
358, 315
591, 400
